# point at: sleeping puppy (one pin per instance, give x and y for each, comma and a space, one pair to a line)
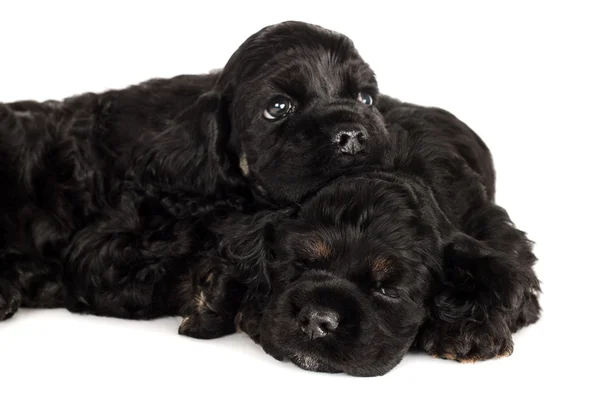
95, 185
379, 262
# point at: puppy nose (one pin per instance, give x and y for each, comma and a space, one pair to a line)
317, 323
351, 141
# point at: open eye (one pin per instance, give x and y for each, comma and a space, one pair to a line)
279, 107
389, 292
365, 98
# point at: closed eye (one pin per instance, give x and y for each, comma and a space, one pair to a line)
388, 291
301, 265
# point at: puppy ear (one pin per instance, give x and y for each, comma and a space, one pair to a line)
209, 115
479, 280
196, 140
247, 243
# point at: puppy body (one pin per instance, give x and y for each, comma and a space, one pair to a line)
426, 136
118, 212
488, 287
376, 262
99, 190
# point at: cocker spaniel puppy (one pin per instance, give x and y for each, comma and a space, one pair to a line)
375, 263
98, 189
173, 197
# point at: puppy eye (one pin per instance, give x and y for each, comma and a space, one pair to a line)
280, 107
301, 265
365, 98
389, 292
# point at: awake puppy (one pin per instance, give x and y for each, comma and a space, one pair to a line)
98, 188
377, 262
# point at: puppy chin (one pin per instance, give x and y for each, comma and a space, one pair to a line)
298, 185
312, 363
313, 360
281, 338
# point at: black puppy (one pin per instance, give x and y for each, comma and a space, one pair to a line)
100, 218
378, 262
97, 189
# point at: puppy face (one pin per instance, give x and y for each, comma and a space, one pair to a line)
352, 277
303, 109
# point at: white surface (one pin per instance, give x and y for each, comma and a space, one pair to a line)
524, 76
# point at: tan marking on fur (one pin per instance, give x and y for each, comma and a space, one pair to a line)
184, 323
200, 302
507, 353
320, 249
449, 356
446, 356
244, 165
186, 292
454, 357
381, 266
237, 321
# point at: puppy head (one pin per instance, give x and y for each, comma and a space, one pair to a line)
351, 277
303, 109
350, 281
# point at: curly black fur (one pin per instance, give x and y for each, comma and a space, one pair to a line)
457, 275
177, 196
100, 190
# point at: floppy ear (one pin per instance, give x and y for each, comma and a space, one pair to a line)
246, 242
247, 245
232, 279
200, 129
194, 151
210, 125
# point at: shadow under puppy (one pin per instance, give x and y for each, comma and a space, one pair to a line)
98, 189
377, 262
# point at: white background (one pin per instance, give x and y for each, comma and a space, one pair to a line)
524, 75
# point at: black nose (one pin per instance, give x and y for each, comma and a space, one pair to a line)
351, 141
317, 323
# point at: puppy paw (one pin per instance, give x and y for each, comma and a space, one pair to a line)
10, 301
249, 326
206, 326
468, 342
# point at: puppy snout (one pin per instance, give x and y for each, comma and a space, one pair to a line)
351, 141
317, 323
